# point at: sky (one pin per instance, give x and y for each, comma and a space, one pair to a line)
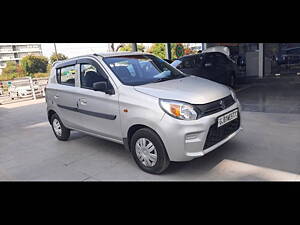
73, 49
76, 49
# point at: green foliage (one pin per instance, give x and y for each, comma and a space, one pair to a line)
11, 67
128, 48
54, 58
49, 67
38, 75
34, 64
11, 71
159, 49
5, 77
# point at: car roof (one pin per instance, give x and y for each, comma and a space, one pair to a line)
114, 54
287, 49
189, 56
102, 55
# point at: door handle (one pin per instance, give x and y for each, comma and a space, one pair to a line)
83, 101
56, 96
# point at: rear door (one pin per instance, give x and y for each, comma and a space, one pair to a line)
99, 112
64, 94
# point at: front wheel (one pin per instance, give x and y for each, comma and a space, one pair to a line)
149, 152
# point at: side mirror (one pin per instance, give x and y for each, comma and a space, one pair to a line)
208, 64
103, 87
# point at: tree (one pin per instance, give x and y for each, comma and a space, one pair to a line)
54, 58
11, 68
159, 49
128, 48
11, 71
34, 64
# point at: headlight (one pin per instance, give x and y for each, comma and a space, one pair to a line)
233, 94
178, 110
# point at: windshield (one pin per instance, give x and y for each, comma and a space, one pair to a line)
141, 69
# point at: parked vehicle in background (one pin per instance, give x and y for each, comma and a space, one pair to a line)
288, 56
137, 99
169, 60
215, 66
41, 83
222, 49
21, 89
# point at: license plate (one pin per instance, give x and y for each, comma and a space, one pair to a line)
222, 120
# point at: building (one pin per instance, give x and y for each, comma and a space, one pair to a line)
264, 59
16, 51
195, 46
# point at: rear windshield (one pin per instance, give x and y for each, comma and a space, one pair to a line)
141, 69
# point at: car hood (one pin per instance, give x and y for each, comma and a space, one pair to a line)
191, 89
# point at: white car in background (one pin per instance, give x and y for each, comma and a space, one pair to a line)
22, 89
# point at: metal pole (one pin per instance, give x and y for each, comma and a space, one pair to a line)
168, 51
32, 88
134, 47
260, 60
55, 51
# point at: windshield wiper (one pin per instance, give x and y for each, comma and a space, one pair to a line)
168, 78
162, 79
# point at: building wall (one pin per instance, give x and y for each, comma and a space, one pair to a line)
16, 51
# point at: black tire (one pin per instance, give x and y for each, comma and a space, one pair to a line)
163, 160
65, 132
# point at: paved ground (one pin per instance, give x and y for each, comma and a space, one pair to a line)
267, 148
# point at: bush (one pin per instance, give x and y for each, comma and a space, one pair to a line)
34, 64
38, 75
5, 77
54, 58
128, 48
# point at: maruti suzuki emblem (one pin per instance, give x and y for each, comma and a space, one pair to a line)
222, 104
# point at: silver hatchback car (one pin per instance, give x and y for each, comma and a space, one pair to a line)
136, 99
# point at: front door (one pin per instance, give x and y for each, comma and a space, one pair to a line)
99, 111
223, 68
188, 66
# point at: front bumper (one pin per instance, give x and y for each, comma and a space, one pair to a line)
185, 140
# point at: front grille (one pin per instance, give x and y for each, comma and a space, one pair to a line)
217, 134
215, 106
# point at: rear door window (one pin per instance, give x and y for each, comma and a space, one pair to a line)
66, 75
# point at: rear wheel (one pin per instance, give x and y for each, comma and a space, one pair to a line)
149, 152
61, 132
